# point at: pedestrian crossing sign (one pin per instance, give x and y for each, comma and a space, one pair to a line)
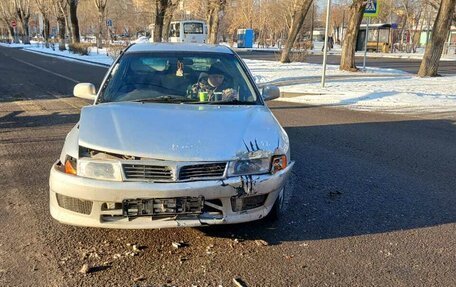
371, 9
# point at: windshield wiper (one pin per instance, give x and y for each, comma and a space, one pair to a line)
163, 99
232, 102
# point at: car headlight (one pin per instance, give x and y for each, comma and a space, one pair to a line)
249, 166
99, 169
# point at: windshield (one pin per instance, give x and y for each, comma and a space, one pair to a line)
179, 77
193, 28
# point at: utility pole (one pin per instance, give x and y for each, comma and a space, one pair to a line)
343, 26
312, 26
391, 23
365, 43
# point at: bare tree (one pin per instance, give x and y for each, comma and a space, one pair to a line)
300, 9
101, 9
168, 18
214, 8
22, 8
6, 15
356, 11
73, 21
44, 6
160, 9
59, 9
430, 63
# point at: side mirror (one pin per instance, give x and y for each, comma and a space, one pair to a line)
85, 91
270, 92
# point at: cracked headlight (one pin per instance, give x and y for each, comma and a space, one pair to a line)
249, 166
98, 169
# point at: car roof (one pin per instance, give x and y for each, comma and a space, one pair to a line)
178, 47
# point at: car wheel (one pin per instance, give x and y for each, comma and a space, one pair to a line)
278, 208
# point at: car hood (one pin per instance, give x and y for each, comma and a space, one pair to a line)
181, 132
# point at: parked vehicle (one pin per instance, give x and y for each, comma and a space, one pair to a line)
178, 135
188, 31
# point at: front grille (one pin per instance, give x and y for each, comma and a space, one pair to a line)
147, 172
209, 170
74, 204
162, 206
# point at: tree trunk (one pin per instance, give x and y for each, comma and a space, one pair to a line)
160, 10
69, 28
167, 20
166, 25
430, 63
9, 29
61, 25
214, 8
74, 23
10, 33
347, 61
26, 30
100, 29
299, 15
46, 30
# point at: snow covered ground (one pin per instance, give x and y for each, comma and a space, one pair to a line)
385, 90
377, 89
337, 50
397, 94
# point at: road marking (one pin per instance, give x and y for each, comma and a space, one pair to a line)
46, 70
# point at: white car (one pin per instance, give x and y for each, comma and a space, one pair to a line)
178, 135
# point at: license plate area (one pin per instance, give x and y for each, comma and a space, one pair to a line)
162, 206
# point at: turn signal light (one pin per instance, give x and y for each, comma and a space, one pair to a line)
278, 163
70, 167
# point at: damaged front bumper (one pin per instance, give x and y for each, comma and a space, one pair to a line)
87, 202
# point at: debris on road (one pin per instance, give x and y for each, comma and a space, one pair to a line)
85, 269
136, 248
334, 193
182, 259
208, 249
238, 282
139, 278
131, 253
177, 245
261, 242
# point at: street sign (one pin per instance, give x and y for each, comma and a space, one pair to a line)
109, 22
372, 8
13, 23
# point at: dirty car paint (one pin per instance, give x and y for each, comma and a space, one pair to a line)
181, 132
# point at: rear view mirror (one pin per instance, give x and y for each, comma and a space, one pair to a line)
85, 91
270, 92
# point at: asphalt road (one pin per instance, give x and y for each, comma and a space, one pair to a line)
407, 65
372, 201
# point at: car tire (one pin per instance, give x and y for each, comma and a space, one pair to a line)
278, 208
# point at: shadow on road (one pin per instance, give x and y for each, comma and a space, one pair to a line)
17, 120
349, 179
358, 179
